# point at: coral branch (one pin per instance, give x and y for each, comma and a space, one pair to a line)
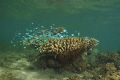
67, 49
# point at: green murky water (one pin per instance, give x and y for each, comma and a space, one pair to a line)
99, 19
93, 18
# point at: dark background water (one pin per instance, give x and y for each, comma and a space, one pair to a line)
102, 23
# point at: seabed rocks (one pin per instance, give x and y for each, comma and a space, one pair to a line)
105, 67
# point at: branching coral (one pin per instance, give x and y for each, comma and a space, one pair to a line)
56, 43
114, 75
110, 67
67, 49
44, 35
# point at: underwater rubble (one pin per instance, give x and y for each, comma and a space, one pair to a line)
54, 55
105, 68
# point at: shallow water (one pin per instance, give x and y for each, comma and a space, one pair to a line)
99, 19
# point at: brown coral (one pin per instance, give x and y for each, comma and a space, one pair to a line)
110, 67
114, 75
58, 30
53, 30
67, 49
33, 42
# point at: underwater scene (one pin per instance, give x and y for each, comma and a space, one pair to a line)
60, 40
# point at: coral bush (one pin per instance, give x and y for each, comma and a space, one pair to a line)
110, 67
57, 43
59, 50
67, 49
